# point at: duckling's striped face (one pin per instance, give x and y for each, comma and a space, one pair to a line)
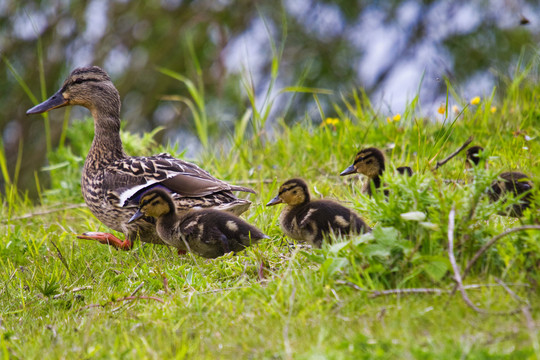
369, 162
293, 192
90, 87
155, 203
474, 154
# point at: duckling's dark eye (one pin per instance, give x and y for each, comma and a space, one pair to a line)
294, 192
369, 162
78, 81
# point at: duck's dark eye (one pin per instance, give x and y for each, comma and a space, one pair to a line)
369, 162
294, 192
78, 81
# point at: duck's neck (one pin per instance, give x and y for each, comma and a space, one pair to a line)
376, 181
107, 145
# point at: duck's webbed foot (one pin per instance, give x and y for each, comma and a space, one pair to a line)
107, 239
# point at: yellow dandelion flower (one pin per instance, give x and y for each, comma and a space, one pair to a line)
455, 109
493, 109
331, 122
388, 120
397, 117
441, 109
475, 100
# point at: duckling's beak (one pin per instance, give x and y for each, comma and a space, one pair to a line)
274, 201
55, 101
139, 214
350, 170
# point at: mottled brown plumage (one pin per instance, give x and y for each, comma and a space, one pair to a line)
512, 182
306, 220
206, 232
112, 181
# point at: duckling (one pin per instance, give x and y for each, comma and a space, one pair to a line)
473, 156
514, 182
111, 179
369, 162
306, 220
208, 233
404, 170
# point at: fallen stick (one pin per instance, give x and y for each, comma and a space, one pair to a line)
490, 243
457, 276
452, 155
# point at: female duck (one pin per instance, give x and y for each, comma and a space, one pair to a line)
306, 220
206, 232
511, 182
111, 179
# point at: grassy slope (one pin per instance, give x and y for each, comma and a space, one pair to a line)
301, 309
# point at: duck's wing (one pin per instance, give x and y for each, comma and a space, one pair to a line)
131, 176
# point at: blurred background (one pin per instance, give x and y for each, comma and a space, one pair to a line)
393, 50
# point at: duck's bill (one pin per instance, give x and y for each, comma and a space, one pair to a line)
347, 171
55, 101
139, 214
274, 201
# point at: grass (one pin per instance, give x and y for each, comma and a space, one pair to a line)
65, 298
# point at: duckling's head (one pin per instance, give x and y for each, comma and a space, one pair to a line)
474, 155
90, 87
369, 162
292, 192
155, 202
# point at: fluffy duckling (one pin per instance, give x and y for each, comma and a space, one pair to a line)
473, 156
306, 220
514, 182
404, 170
208, 233
368, 162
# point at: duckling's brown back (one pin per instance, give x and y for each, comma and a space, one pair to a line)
319, 218
212, 233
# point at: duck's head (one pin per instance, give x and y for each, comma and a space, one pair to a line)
369, 162
292, 192
474, 155
90, 87
155, 203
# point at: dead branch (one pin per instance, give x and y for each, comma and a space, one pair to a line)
74, 290
455, 268
377, 293
457, 276
405, 291
493, 241
137, 289
452, 155
127, 298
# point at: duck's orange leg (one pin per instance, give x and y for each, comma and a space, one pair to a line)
108, 239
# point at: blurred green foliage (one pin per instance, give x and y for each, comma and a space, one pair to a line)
310, 43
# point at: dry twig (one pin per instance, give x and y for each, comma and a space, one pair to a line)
452, 155
457, 275
74, 290
493, 241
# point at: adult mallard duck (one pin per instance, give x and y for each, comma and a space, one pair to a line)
208, 233
111, 180
510, 182
311, 220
